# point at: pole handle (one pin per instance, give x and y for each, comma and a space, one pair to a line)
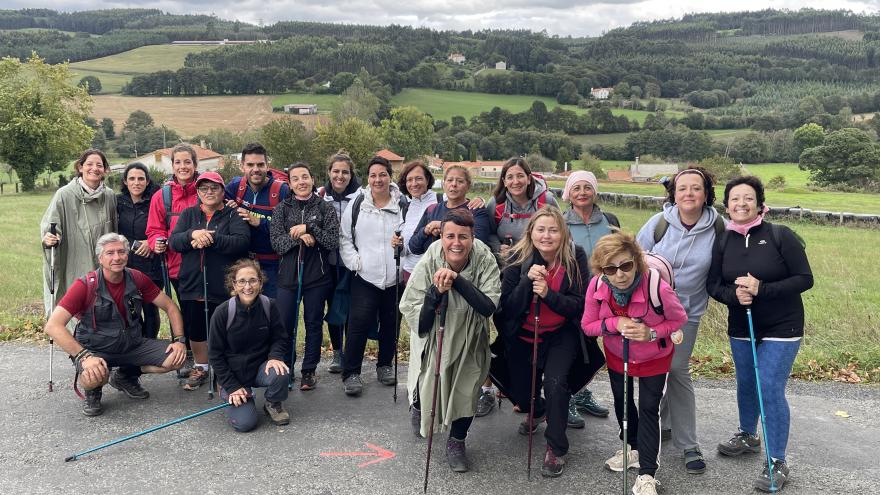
53, 228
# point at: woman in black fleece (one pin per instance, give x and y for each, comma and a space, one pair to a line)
762, 266
249, 350
304, 222
212, 236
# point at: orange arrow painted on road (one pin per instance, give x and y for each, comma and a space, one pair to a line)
378, 452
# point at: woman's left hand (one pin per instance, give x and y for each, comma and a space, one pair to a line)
636, 331
279, 367
443, 279
749, 283
307, 239
143, 249
476, 203
396, 240
539, 287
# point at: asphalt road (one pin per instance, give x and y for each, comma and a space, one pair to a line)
827, 453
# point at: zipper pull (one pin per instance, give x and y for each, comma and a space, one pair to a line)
747, 240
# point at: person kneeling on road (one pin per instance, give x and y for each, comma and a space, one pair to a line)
247, 348
108, 304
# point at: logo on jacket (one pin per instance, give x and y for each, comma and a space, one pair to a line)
762, 242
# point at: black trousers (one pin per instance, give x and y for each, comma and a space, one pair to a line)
459, 427
643, 432
368, 302
556, 355
335, 331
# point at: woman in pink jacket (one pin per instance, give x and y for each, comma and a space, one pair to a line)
618, 306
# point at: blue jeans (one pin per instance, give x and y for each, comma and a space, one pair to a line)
775, 359
244, 417
270, 268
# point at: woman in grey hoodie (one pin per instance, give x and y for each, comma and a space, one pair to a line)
684, 233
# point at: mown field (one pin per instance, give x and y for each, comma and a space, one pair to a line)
619, 138
842, 335
116, 70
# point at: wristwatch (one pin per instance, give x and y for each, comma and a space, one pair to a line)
653, 334
180, 338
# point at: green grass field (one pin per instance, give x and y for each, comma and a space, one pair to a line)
619, 138
842, 327
116, 70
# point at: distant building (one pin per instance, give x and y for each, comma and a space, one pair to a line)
479, 168
395, 159
601, 93
645, 172
501, 65
456, 57
161, 159
301, 108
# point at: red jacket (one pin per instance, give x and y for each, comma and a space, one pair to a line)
158, 225
599, 320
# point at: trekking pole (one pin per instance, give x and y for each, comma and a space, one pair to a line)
53, 231
441, 328
625, 410
299, 283
396, 310
148, 430
760, 398
163, 266
536, 301
207, 330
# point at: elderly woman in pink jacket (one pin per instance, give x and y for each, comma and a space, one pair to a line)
619, 305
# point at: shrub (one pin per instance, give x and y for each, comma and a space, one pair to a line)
592, 164
777, 183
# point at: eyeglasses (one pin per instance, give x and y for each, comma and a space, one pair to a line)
625, 267
247, 281
209, 189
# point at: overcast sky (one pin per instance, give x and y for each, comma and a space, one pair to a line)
562, 17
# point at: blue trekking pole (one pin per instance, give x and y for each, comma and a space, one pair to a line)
760, 399
299, 284
149, 430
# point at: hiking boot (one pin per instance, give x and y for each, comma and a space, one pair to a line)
385, 376
92, 404
415, 420
574, 419
129, 385
276, 413
645, 485
553, 465
336, 366
308, 381
486, 403
615, 463
353, 385
586, 403
456, 456
186, 369
197, 377
694, 462
524, 426
740, 443
780, 475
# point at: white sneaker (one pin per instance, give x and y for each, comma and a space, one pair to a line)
645, 485
615, 463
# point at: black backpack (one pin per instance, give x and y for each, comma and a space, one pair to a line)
356, 211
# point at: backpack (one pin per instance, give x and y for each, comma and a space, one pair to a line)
230, 309
91, 281
356, 211
542, 200
433, 207
663, 225
167, 198
274, 196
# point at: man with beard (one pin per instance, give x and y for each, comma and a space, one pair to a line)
255, 194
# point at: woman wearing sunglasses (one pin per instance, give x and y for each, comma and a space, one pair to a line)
618, 307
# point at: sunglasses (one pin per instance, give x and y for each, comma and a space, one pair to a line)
625, 267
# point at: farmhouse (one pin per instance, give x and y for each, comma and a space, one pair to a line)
501, 65
161, 159
479, 168
301, 108
601, 93
456, 58
395, 159
644, 172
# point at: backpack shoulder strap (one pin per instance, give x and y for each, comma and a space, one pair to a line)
166, 199
718, 225
439, 197
274, 193
239, 193
91, 281
230, 312
660, 229
654, 291
499, 212
355, 212
611, 219
542, 199
264, 301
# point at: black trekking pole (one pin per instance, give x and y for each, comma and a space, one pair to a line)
53, 231
299, 284
441, 328
148, 430
537, 303
207, 330
396, 309
163, 266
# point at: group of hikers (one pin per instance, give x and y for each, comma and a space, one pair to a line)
243, 257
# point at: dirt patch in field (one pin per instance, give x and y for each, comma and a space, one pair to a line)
195, 115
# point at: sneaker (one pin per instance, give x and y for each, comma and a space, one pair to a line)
524, 426
308, 381
456, 456
615, 463
336, 366
645, 485
553, 465
415, 420
184, 371
486, 403
780, 475
586, 403
129, 385
92, 404
276, 412
694, 462
353, 385
740, 443
574, 418
197, 377
385, 375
